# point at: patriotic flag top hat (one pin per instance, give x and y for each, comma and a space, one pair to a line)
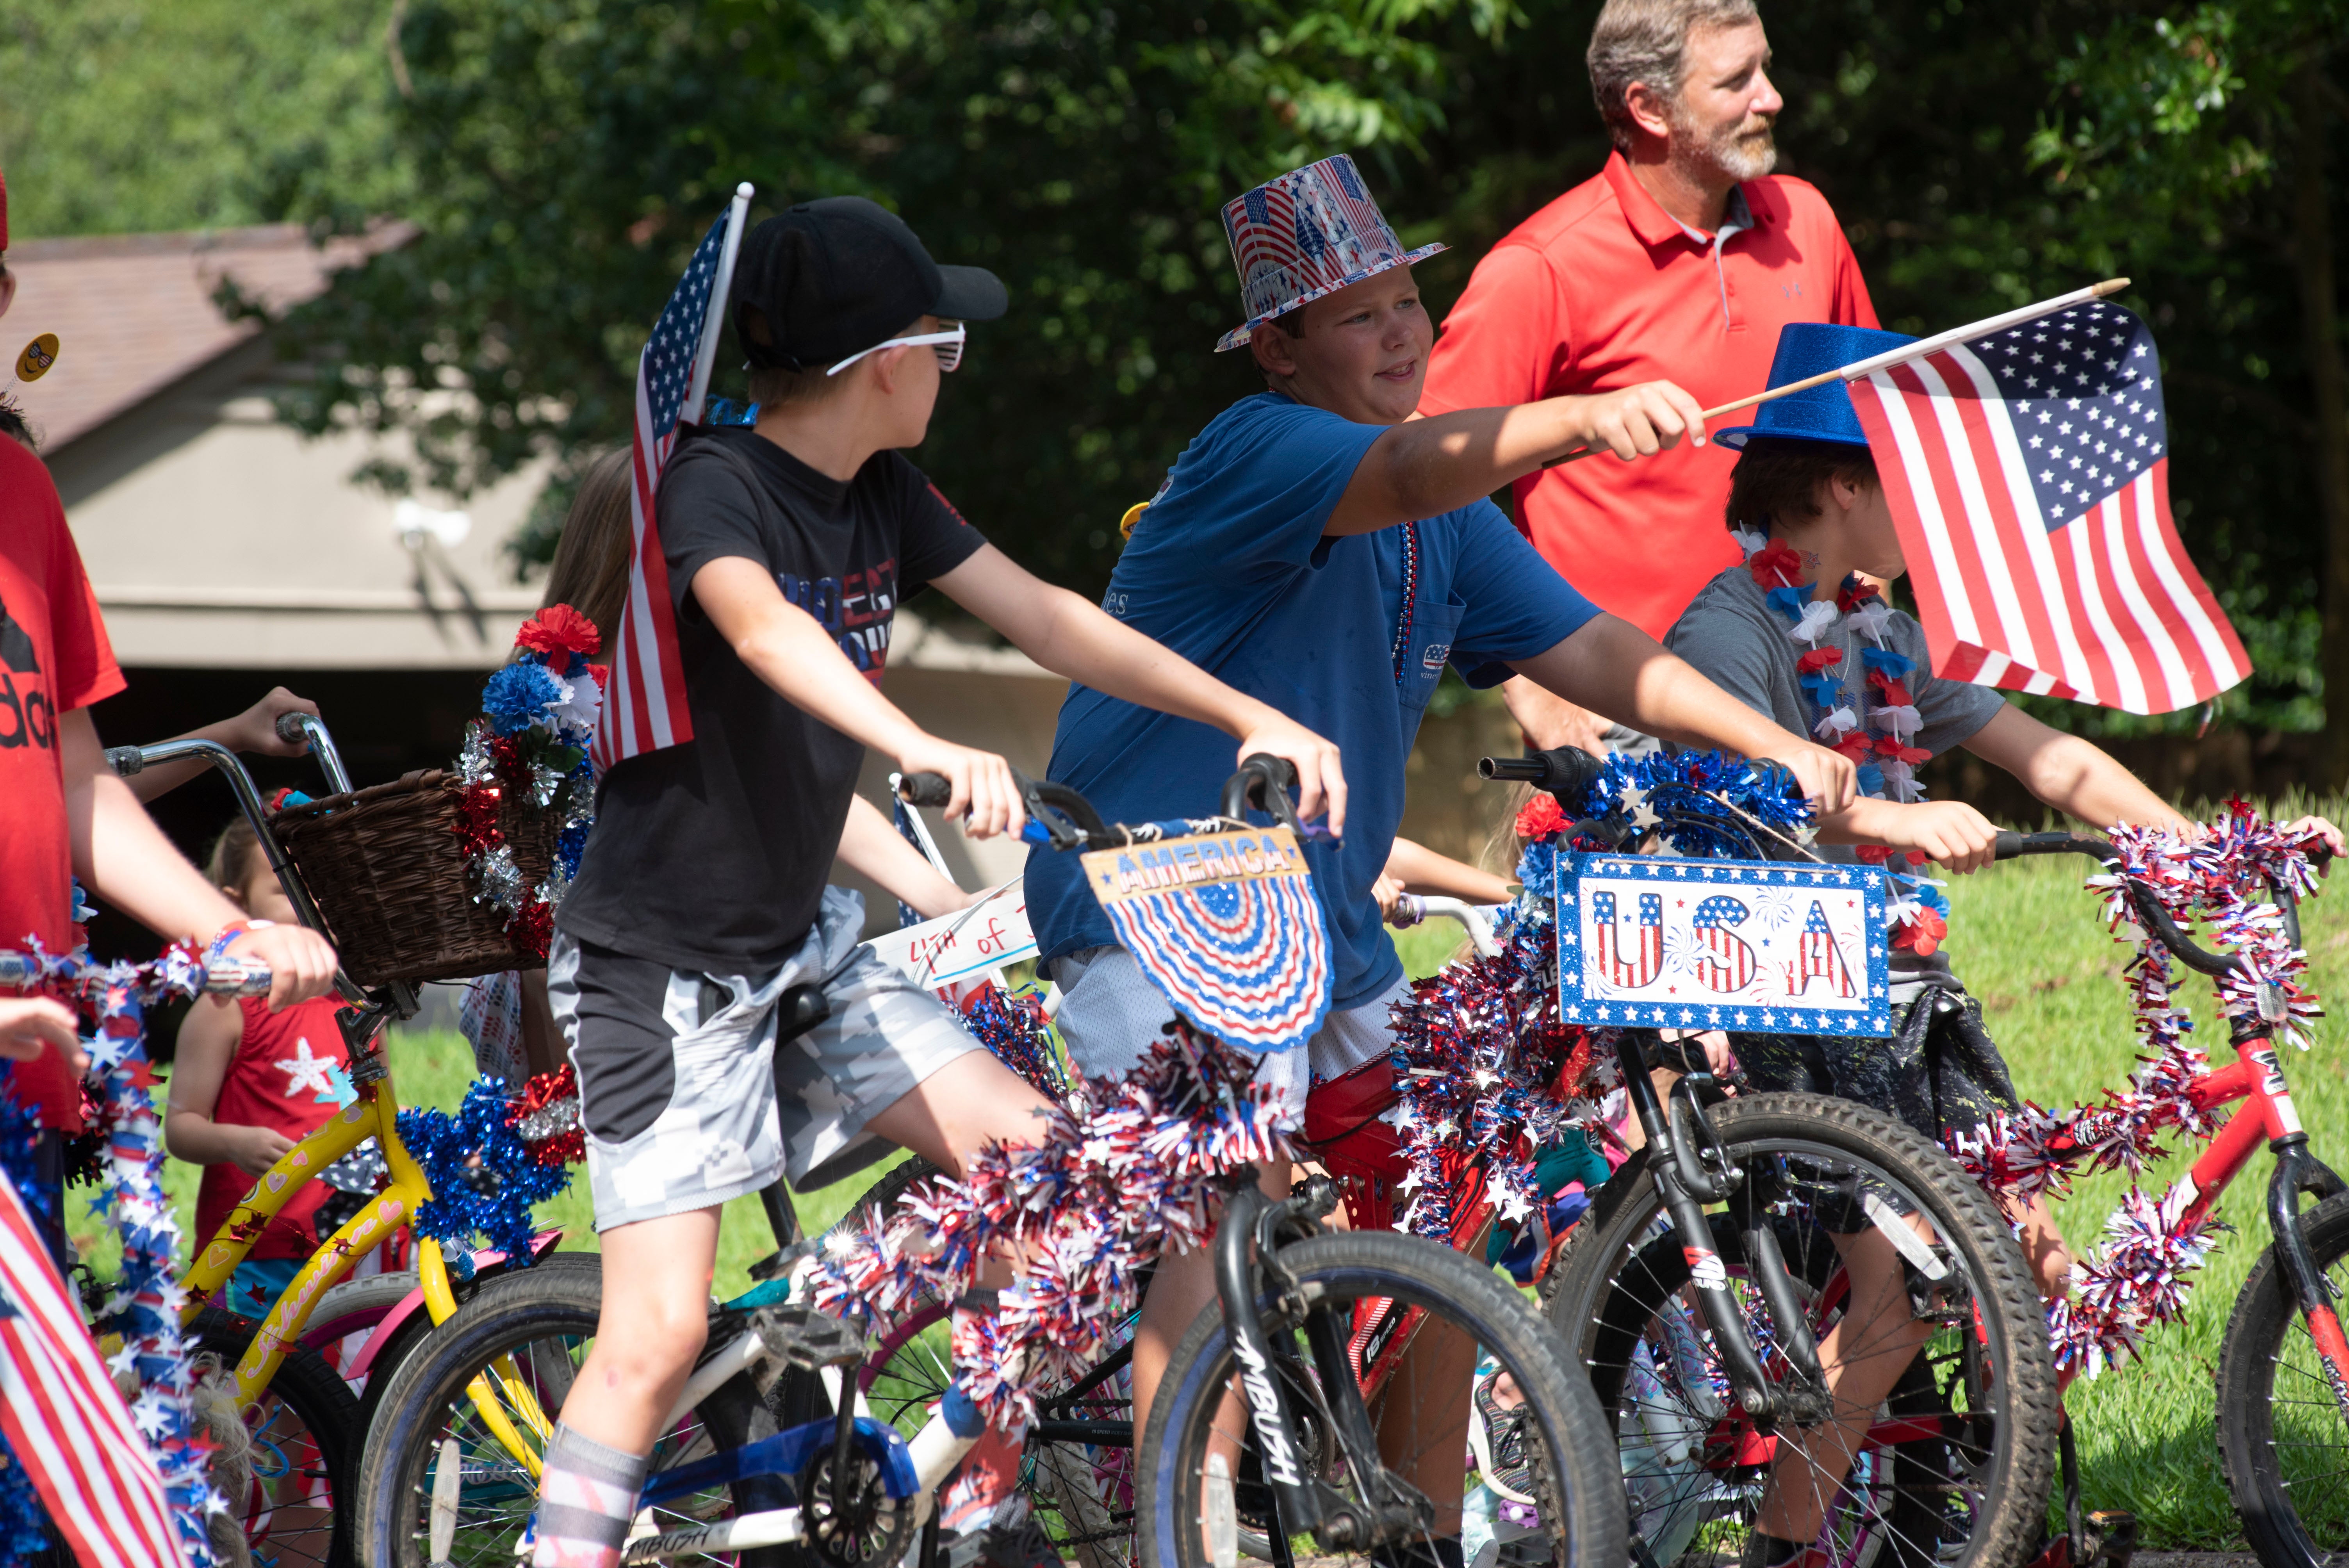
1311, 232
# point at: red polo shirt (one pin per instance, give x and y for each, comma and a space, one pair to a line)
1601, 290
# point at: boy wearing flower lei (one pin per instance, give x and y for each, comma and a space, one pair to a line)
1319, 547
699, 899
1801, 633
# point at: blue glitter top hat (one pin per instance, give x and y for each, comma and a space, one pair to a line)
1821, 413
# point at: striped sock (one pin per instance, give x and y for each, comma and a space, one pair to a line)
585, 1500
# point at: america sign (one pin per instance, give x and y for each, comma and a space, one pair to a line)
1743, 945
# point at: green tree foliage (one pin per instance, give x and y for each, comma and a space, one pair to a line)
562, 156
133, 116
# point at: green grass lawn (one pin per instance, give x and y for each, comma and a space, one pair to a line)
2027, 939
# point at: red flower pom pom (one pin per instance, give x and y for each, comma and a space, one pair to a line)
1915, 756
1921, 934
602, 673
1872, 854
1776, 561
1891, 693
1888, 745
1853, 746
1855, 592
1541, 817
1817, 659
558, 629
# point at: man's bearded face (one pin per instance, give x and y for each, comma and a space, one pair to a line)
1722, 117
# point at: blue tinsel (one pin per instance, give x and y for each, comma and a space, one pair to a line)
1013, 1029
493, 1198
572, 842
24, 1530
516, 696
1677, 788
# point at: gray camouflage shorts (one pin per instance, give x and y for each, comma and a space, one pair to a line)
687, 1100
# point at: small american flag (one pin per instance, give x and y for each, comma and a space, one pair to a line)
1819, 959
1635, 963
646, 707
1264, 230
1353, 202
63, 1418
2028, 473
1725, 960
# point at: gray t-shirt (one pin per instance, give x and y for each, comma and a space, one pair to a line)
1733, 636
1730, 633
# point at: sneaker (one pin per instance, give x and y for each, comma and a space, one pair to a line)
987, 1478
1496, 1437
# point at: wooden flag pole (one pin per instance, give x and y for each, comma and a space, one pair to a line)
1901, 356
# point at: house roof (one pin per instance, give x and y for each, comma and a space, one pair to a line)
134, 312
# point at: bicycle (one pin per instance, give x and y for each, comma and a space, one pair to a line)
1707, 1292
2281, 1397
302, 1412
752, 1464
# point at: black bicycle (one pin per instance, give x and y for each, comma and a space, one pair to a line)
1265, 1432
1798, 1315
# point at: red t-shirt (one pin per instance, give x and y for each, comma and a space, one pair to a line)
281, 1078
54, 658
1601, 290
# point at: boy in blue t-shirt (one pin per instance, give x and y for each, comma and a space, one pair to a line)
1319, 549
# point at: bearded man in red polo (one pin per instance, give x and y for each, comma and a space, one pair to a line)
1678, 262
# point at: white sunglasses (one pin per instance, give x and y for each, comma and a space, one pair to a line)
948, 345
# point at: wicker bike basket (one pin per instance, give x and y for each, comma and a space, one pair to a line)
388, 870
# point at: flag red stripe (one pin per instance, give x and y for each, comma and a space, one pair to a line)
1997, 508
2239, 661
2164, 632
2103, 678
1972, 588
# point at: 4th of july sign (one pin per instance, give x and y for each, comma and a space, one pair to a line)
1743, 945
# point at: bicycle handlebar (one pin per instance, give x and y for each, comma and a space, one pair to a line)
1069, 822
223, 976
2012, 845
1566, 770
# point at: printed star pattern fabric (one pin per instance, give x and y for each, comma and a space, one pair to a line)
1311, 232
2028, 474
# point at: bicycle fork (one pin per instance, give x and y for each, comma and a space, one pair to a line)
1271, 1381
1692, 1168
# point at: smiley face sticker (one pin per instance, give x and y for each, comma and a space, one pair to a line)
38, 355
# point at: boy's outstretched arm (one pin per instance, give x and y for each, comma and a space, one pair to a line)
785, 646
1076, 638
1425, 468
1616, 669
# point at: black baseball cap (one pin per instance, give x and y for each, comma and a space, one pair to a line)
837, 275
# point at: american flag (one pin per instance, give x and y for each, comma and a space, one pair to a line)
1354, 202
1636, 968
63, 1418
645, 709
1724, 960
2028, 474
1263, 226
1819, 959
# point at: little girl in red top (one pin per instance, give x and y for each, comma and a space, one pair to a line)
247, 1085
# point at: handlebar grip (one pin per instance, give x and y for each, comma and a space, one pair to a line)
289, 727
1566, 772
1263, 783
2011, 845
1409, 910
125, 760
925, 789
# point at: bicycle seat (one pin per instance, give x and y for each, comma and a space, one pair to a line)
803, 1007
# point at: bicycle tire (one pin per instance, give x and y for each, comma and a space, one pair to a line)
543, 1312
1577, 1492
412, 1330
2267, 1361
303, 1424
1686, 1465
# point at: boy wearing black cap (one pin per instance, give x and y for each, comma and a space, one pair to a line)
700, 898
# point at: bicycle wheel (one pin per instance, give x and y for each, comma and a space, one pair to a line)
439, 1485
297, 1511
412, 1330
2282, 1439
1951, 1465
1548, 1447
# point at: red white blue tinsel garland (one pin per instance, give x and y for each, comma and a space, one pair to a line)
1011, 1025
2136, 1280
541, 713
1085, 1208
1486, 1077
145, 1306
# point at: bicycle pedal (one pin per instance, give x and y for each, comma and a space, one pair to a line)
2112, 1537
807, 1339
